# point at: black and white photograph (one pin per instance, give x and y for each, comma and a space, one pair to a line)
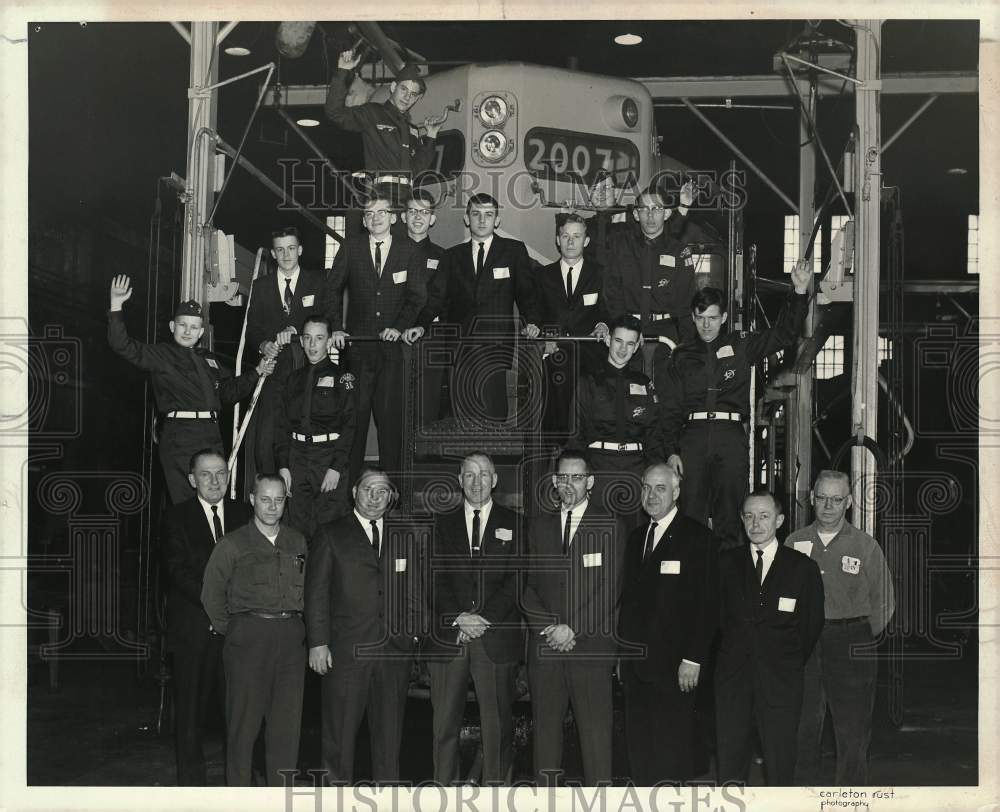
523, 407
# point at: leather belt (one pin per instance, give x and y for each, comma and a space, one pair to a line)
734, 416
193, 415
273, 615
659, 316
401, 179
621, 447
845, 621
315, 438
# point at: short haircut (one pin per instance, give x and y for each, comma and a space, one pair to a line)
705, 298
481, 199
424, 197
374, 197
204, 452
319, 318
567, 219
653, 190
627, 321
287, 231
673, 474
779, 508
370, 469
574, 454
833, 476
260, 479
481, 455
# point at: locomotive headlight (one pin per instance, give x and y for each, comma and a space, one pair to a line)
493, 145
630, 112
621, 113
493, 111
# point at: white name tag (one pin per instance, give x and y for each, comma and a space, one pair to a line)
786, 604
592, 560
399, 277
327, 381
504, 534
725, 352
804, 547
307, 301
212, 363
432, 264
670, 568
668, 260
501, 273
637, 389
400, 565
589, 299
852, 566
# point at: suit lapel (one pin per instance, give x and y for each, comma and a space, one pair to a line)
201, 529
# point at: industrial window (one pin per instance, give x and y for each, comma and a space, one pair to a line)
791, 243
884, 349
972, 256
339, 224
830, 359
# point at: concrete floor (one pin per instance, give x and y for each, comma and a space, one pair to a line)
99, 729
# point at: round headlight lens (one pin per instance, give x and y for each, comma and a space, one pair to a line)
493, 111
630, 112
493, 145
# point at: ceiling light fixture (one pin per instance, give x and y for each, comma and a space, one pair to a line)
628, 39
958, 170
237, 50
307, 122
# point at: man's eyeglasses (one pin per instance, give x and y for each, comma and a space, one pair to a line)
576, 479
376, 492
650, 209
836, 501
371, 215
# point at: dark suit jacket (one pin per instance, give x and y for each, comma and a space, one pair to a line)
578, 315
670, 601
434, 280
356, 602
375, 302
266, 315
768, 640
484, 305
486, 585
187, 544
581, 589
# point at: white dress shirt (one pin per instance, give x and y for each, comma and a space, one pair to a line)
486, 249
386, 242
769, 550
578, 512
661, 527
366, 525
221, 505
576, 266
281, 282
484, 517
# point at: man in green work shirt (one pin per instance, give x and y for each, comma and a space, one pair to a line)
252, 594
842, 669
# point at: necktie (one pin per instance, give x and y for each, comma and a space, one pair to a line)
480, 258
760, 566
378, 258
650, 536
475, 533
569, 284
569, 518
376, 541
288, 295
216, 522
307, 399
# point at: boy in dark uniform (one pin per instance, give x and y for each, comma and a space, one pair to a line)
189, 385
618, 419
314, 432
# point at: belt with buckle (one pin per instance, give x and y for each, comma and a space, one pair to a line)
736, 417
845, 621
315, 438
621, 447
273, 615
401, 179
659, 316
193, 415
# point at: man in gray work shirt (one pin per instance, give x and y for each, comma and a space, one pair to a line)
859, 603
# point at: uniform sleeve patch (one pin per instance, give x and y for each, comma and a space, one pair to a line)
347, 379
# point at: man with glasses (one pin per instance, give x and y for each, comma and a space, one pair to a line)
842, 670
475, 624
571, 602
419, 218
383, 276
650, 273
363, 611
252, 594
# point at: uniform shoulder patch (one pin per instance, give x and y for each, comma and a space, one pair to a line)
347, 379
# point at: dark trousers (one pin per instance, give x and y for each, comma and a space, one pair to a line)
618, 484
265, 664
557, 683
179, 440
714, 453
739, 707
198, 678
494, 684
659, 728
349, 689
847, 683
479, 383
432, 355
381, 382
561, 374
309, 507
